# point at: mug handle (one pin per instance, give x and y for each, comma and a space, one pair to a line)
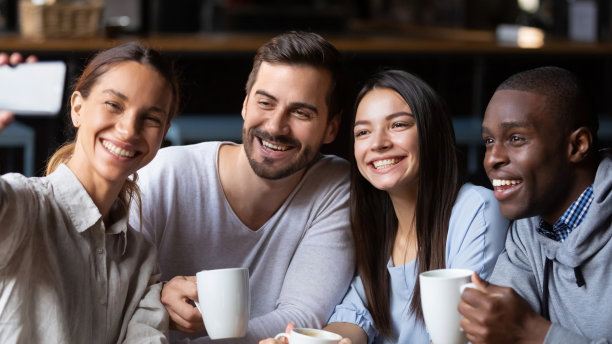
467, 285
198, 306
281, 335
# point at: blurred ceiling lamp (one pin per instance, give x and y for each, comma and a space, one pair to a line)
530, 6
521, 36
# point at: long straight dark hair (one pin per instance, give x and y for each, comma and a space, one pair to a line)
373, 219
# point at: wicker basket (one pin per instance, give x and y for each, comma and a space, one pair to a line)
59, 20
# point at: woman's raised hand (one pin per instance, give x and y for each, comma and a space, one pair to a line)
6, 117
15, 58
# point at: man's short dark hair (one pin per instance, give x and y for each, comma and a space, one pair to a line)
310, 49
564, 94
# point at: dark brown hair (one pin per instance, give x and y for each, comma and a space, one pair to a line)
97, 67
310, 49
373, 219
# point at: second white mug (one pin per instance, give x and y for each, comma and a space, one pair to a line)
224, 301
440, 295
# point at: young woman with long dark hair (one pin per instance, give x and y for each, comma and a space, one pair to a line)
410, 212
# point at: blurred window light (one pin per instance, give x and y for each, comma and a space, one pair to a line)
521, 36
530, 37
530, 6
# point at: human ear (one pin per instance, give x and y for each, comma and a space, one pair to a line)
168, 125
244, 105
332, 129
580, 144
76, 102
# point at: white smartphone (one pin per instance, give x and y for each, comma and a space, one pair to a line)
33, 88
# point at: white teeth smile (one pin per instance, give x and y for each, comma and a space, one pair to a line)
379, 164
504, 182
273, 146
120, 152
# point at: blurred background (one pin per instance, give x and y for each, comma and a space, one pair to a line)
462, 48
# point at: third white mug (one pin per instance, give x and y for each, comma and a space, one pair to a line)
440, 295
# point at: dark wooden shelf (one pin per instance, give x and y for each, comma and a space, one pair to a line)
424, 40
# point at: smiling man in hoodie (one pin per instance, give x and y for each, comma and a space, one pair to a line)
553, 282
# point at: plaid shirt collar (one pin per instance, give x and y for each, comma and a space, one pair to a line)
572, 217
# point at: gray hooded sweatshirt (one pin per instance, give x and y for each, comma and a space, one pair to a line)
570, 280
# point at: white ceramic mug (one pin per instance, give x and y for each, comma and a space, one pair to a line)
310, 336
440, 295
224, 301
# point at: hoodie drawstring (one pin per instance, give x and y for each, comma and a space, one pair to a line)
580, 282
579, 277
545, 292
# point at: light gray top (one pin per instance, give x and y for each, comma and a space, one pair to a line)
579, 314
300, 262
64, 276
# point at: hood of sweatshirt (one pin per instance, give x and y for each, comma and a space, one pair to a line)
595, 230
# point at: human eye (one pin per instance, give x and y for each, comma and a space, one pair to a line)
113, 106
360, 132
487, 141
153, 119
265, 103
516, 139
302, 113
400, 125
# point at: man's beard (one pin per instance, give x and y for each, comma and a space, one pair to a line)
264, 169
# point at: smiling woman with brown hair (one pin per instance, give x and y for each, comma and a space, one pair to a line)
71, 268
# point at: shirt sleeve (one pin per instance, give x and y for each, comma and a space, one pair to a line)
15, 199
150, 321
477, 232
353, 310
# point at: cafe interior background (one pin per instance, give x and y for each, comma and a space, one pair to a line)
462, 48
